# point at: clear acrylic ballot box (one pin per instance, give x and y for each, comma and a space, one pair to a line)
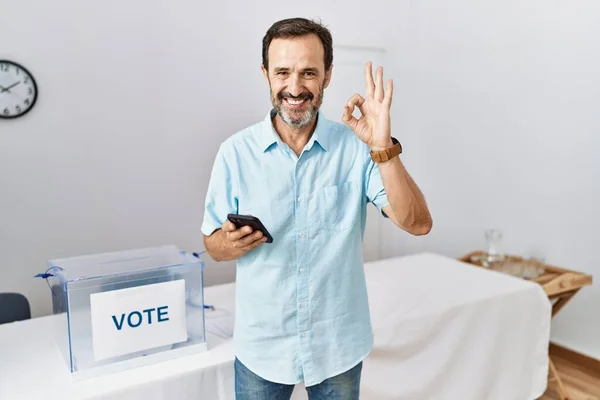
125, 309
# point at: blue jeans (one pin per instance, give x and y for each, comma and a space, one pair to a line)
249, 386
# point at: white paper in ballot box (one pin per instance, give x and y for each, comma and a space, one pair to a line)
129, 308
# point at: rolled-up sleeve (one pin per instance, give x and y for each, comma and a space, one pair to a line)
374, 186
220, 196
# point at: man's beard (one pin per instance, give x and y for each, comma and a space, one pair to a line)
297, 119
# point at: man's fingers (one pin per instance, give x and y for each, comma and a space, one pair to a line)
239, 233
228, 226
379, 85
348, 118
248, 239
255, 239
370, 85
356, 101
254, 244
389, 91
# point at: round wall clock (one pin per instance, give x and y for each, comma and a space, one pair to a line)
18, 90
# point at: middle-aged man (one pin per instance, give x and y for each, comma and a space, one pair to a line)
302, 313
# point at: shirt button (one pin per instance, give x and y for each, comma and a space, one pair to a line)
301, 269
301, 234
302, 334
298, 199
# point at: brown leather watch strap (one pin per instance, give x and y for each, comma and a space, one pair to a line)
387, 154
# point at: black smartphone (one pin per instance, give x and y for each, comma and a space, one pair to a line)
248, 220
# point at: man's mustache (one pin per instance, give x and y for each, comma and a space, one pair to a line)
301, 96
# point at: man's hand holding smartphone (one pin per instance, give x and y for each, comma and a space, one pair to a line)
238, 235
240, 241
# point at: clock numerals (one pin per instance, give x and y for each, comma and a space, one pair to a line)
18, 90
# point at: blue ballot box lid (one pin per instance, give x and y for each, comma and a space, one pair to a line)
121, 262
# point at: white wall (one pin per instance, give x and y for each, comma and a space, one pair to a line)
135, 98
500, 106
495, 103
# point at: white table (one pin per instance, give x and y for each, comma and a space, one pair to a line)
443, 330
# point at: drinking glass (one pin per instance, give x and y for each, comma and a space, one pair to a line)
493, 238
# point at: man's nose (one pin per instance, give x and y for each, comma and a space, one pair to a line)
295, 86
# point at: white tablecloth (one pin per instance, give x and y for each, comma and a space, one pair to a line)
443, 330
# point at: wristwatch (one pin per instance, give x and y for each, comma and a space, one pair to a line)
388, 153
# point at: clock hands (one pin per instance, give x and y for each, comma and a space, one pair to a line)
13, 85
7, 89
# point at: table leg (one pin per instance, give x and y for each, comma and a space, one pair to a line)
561, 389
562, 301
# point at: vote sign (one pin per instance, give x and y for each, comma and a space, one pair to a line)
140, 318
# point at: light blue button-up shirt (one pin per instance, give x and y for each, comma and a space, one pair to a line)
302, 312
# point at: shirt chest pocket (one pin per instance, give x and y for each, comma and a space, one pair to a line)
338, 207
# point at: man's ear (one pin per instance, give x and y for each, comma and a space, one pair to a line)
328, 76
265, 72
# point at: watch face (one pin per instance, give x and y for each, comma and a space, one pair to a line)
18, 90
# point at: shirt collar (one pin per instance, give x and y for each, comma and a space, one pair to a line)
270, 137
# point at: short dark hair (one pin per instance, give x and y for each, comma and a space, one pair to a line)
296, 27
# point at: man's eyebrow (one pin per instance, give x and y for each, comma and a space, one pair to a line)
286, 69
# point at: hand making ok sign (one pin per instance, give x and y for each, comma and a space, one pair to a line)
373, 127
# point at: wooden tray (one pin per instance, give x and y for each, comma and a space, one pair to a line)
555, 280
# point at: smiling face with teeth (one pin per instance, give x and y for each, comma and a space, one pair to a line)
297, 78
